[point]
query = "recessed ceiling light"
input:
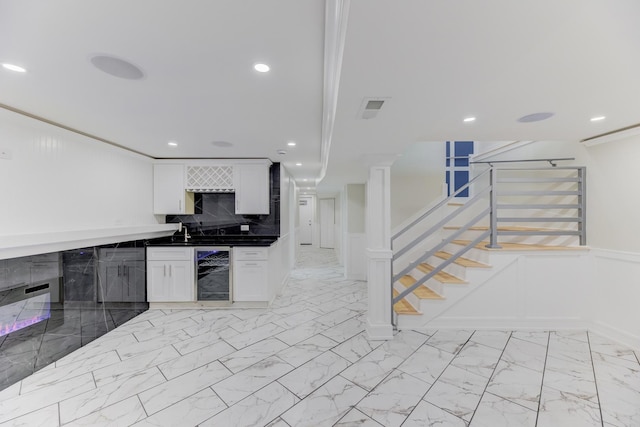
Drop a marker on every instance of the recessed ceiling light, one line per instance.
(13, 67)
(298, 164)
(117, 67)
(597, 118)
(535, 117)
(305, 180)
(469, 119)
(222, 144)
(172, 144)
(291, 144)
(261, 68)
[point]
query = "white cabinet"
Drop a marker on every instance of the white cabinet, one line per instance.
(169, 195)
(250, 274)
(174, 182)
(170, 274)
(252, 188)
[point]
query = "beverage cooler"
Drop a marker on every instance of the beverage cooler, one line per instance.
(213, 273)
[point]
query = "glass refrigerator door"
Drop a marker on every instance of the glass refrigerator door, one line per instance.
(213, 278)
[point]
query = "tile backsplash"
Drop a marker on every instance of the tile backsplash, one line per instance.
(215, 213)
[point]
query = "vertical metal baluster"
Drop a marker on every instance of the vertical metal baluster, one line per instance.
(493, 213)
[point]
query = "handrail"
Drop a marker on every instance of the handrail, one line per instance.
(438, 206)
(492, 211)
(440, 223)
(551, 161)
(440, 267)
(442, 244)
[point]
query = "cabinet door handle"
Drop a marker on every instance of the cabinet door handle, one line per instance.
(125, 270)
(170, 273)
(251, 253)
(179, 206)
(251, 263)
(118, 270)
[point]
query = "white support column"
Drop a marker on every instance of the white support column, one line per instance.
(378, 220)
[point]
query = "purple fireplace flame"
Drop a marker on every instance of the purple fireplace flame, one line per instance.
(24, 306)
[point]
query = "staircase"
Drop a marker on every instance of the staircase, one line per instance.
(452, 249)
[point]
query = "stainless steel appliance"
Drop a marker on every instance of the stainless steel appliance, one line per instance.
(213, 273)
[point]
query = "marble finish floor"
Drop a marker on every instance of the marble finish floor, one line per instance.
(307, 362)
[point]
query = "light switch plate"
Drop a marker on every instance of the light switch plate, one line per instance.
(5, 154)
(244, 227)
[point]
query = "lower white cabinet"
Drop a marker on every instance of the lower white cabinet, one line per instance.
(250, 274)
(170, 274)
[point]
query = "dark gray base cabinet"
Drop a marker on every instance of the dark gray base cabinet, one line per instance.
(121, 275)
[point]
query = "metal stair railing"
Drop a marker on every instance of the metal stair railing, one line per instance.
(496, 192)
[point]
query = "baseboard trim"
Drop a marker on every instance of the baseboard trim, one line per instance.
(508, 324)
(379, 332)
(615, 334)
(511, 324)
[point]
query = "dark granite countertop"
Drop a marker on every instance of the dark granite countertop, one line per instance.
(218, 240)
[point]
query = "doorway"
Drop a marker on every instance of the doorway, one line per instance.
(327, 222)
(305, 212)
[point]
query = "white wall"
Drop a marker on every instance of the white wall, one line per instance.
(534, 291)
(416, 179)
(337, 227)
(58, 180)
(355, 201)
(355, 242)
(288, 212)
(613, 176)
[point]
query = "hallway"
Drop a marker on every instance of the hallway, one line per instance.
(306, 361)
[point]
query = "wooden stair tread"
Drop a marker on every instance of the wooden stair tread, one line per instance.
(507, 246)
(403, 306)
(465, 262)
(422, 292)
(441, 276)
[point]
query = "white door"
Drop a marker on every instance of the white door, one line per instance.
(305, 209)
(327, 222)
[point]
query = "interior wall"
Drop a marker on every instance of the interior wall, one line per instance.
(354, 237)
(613, 203)
(337, 228)
(416, 179)
(57, 180)
(355, 201)
(285, 200)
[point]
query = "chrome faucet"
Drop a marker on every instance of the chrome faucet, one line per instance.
(186, 234)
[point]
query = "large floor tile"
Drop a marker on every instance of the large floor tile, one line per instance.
(326, 405)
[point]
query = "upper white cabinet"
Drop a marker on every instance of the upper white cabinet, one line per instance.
(175, 181)
(252, 188)
(169, 195)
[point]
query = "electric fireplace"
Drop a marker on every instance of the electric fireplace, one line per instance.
(25, 305)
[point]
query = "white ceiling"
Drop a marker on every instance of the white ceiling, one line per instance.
(436, 61)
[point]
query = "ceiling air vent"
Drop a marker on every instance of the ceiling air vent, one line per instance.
(370, 107)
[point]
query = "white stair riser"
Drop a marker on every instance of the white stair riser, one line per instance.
(432, 283)
(473, 253)
(453, 268)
